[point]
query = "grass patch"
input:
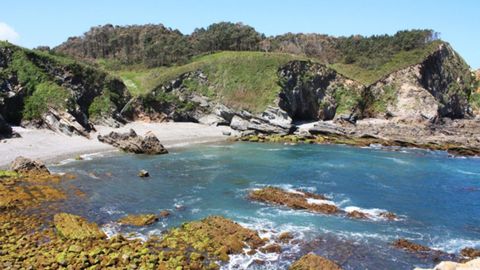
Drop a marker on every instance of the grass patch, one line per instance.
(246, 80)
(347, 99)
(46, 95)
(399, 61)
(389, 96)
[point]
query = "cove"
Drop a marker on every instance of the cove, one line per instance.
(436, 197)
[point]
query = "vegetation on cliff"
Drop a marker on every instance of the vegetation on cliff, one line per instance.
(32, 81)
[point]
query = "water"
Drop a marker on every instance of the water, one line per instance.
(436, 197)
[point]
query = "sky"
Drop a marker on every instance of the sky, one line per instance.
(31, 23)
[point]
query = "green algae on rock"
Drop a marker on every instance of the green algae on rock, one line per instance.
(75, 227)
(295, 200)
(138, 220)
(314, 262)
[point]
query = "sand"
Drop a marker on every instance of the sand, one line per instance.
(52, 147)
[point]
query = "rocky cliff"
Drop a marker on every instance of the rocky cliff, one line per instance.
(37, 88)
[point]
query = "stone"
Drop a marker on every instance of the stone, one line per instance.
(271, 248)
(410, 246)
(138, 220)
(357, 215)
(66, 123)
(164, 214)
(277, 116)
(212, 120)
(470, 252)
(285, 237)
(131, 142)
(143, 173)
(448, 265)
(324, 128)
(226, 133)
(76, 228)
(224, 112)
(314, 262)
(25, 165)
(239, 123)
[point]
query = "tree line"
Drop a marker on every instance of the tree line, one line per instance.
(157, 45)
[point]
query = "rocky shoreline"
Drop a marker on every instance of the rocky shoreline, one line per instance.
(34, 231)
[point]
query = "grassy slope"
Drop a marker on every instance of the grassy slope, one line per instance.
(245, 80)
(399, 61)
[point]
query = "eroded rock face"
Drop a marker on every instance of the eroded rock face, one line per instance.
(308, 90)
(295, 200)
(131, 142)
(314, 262)
(138, 220)
(5, 128)
(65, 123)
(76, 227)
(25, 165)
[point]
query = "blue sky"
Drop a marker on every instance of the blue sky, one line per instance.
(49, 22)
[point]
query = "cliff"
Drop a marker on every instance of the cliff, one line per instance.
(44, 90)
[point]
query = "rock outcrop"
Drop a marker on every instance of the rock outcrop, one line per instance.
(76, 227)
(314, 262)
(138, 220)
(294, 199)
(25, 165)
(448, 265)
(311, 91)
(131, 142)
(5, 128)
(64, 122)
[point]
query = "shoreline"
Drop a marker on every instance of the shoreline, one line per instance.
(52, 147)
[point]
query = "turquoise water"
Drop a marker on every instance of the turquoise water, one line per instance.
(436, 197)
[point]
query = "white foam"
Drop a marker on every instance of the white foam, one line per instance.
(398, 161)
(456, 244)
(372, 213)
(319, 202)
(467, 172)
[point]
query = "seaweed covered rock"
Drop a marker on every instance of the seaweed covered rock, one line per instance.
(76, 227)
(314, 262)
(216, 237)
(294, 199)
(138, 220)
(25, 165)
(131, 142)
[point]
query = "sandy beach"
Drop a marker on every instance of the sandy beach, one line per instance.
(52, 147)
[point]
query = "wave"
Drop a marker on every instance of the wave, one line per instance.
(375, 214)
(467, 172)
(456, 244)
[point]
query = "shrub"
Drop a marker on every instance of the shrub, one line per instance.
(46, 95)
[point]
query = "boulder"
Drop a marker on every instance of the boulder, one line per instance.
(5, 128)
(25, 165)
(314, 262)
(223, 112)
(143, 173)
(277, 116)
(470, 252)
(138, 220)
(131, 142)
(447, 265)
(76, 227)
(324, 128)
(410, 246)
(212, 120)
(65, 123)
(239, 123)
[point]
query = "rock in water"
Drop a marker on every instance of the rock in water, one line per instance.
(131, 142)
(76, 227)
(25, 165)
(143, 173)
(138, 220)
(294, 199)
(314, 262)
